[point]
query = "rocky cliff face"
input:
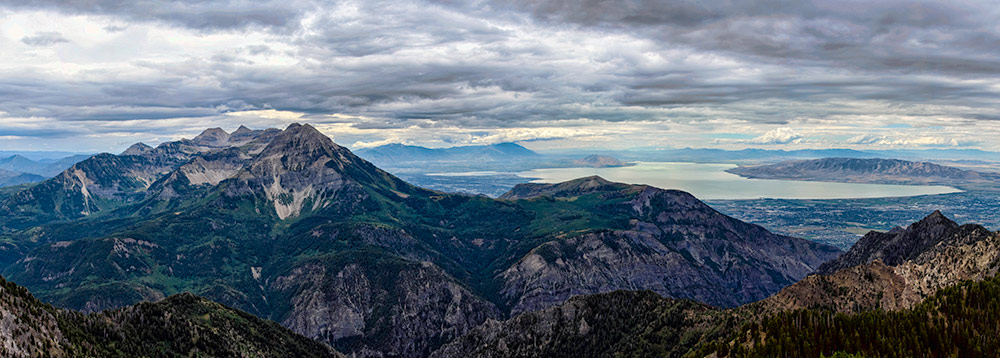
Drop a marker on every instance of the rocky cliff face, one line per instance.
(641, 323)
(896, 246)
(898, 269)
(410, 307)
(676, 246)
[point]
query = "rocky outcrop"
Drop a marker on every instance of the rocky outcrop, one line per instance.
(677, 246)
(905, 267)
(407, 306)
(621, 322)
(896, 246)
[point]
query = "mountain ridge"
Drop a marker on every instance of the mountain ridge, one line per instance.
(303, 232)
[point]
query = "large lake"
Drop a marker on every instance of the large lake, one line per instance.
(710, 181)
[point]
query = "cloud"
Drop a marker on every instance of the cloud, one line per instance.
(360, 144)
(42, 39)
(866, 139)
(507, 69)
(778, 136)
(910, 141)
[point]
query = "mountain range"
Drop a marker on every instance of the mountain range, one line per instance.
(397, 154)
(925, 290)
(865, 170)
(18, 169)
(225, 231)
(289, 226)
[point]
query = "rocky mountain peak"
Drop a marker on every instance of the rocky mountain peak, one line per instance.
(302, 141)
(300, 164)
(242, 130)
(896, 246)
(213, 137)
(137, 149)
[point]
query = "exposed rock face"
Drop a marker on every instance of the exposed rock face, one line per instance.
(677, 246)
(603, 325)
(918, 261)
(424, 306)
(865, 171)
(137, 149)
(896, 246)
(212, 137)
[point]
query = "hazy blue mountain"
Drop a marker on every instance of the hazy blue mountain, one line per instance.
(867, 170)
(43, 167)
(9, 178)
(393, 154)
(599, 161)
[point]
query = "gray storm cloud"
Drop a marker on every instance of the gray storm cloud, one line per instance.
(507, 64)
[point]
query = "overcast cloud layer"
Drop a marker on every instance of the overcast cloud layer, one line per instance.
(553, 74)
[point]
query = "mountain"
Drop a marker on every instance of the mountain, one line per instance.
(957, 321)
(44, 168)
(394, 154)
(599, 161)
(137, 149)
(898, 269)
(871, 170)
(290, 226)
(896, 246)
(179, 326)
(104, 182)
(942, 297)
(10, 178)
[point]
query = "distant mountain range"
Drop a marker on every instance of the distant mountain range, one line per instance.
(870, 170)
(289, 226)
(395, 154)
(18, 169)
(599, 161)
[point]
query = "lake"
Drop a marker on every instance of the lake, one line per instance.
(711, 182)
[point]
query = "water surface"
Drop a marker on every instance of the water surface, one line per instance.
(710, 182)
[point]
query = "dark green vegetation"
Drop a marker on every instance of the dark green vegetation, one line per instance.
(289, 226)
(958, 321)
(179, 326)
(616, 324)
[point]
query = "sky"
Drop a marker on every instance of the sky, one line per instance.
(99, 75)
